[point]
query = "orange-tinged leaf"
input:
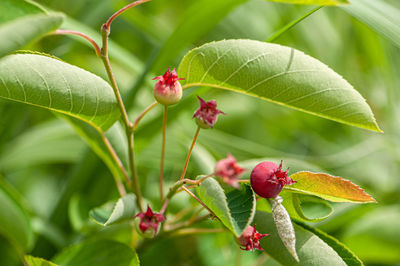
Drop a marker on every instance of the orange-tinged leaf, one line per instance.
(332, 188)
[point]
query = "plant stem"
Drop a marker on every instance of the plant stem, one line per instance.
(142, 114)
(115, 157)
(122, 10)
(191, 231)
(72, 32)
(164, 130)
(190, 153)
(199, 200)
(287, 27)
(128, 124)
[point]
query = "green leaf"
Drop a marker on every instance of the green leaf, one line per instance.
(12, 9)
(235, 209)
(14, 221)
(46, 143)
(115, 135)
(332, 188)
(381, 16)
(114, 212)
(313, 2)
(278, 74)
(311, 249)
(305, 208)
(375, 237)
(33, 261)
(98, 252)
(344, 252)
(18, 33)
(52, 84)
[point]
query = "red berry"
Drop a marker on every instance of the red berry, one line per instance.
(267, 179)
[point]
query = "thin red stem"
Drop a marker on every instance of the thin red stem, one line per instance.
(122, 10)
(199, 200)
(72, 32)
(142, 114)
(190, 153)
(164, 131)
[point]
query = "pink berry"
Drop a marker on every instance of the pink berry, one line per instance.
(150, 221)
(229, 171)
(168, 90)
(267, 179)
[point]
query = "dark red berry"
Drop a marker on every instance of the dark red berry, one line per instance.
(267, 179)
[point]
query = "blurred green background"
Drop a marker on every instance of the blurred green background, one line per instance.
(53, 172)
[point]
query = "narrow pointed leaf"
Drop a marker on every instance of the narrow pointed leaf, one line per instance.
(381, 16)
(235, 209)
(114, 212)
(20, 32)
(15, 224)
(332, 188)
(55, 85)
(313, 2)
(278, 74)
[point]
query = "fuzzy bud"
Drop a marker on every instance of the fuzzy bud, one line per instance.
(168, 90)
(267, 179)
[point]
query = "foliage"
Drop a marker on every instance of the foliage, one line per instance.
(71, 188)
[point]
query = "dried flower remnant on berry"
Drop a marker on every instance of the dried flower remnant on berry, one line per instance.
(229, 171)
(150, 221)
(250, 239)
(168, 90)
(267, 179)
(206, 116)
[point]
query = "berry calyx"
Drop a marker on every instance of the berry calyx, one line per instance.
(267, 179)
(206, 116)
(168, 90)
(250, 239)
(150, 222)
(229, 171)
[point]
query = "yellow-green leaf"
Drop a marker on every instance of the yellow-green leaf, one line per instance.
(332, 188)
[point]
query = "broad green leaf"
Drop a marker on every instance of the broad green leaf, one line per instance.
(15, 224)
(381, 16)
(12, 9)
(115, 135)
(311, 249)
(344, 252)
(235, 209)
(16, 34)
(313, 2)
(114, 212)
(375, 237)
(305, 208)
(278, 74)
(98, 252)
(55, 85)
(332, 188)
(46, 143)
(33, 261)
